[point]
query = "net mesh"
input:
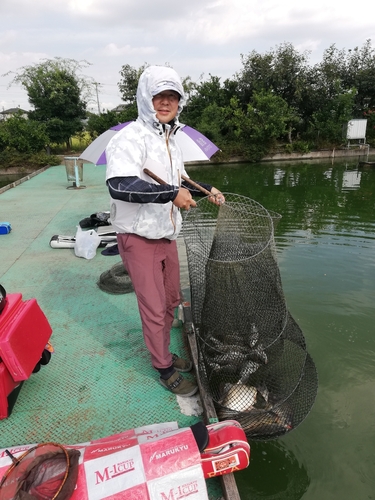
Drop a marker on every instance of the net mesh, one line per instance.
(252, 354)
(45, 471)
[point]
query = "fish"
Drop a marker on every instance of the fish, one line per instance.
(215, 367)
(230, 358)
(263, 395)
(248, 369)
(240, 402)
(239, 345)
(259, 354)
(273, 422)
(239, 397)
(221, 347)
(254, 337)
(215, 343)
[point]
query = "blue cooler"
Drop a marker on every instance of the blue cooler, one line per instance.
(5, 227)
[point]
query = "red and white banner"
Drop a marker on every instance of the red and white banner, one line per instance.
(154, 462)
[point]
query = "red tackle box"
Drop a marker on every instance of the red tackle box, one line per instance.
(24, 333)
(227, 449)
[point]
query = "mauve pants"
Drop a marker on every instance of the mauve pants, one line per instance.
(154, 270)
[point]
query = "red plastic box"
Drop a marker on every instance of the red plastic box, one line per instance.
(24, 333)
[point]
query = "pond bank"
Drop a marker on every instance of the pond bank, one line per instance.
(312, 155)
(20, 180)
(324, 153)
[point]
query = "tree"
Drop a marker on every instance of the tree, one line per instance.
(256, 75)
(189, 87)
(328, 121)
(330, 88)
(211, 122)
(264, 121)
(22, 135)
(360, 73)
(281, 71)
(210, 93)
(58, 96)
(129, 83)
(97, 124)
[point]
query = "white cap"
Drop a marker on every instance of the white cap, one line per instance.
(161, 86)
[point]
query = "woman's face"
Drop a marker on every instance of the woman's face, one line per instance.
(166, 105)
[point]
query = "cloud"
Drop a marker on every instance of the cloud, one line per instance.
(10, 61)
(113, 50)
(7, 38)
(195, 37)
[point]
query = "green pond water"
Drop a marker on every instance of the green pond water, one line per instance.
(6, 179)
(326, 252)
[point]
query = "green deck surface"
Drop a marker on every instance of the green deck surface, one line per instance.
(100, 380)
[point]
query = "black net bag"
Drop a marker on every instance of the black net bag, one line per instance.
(47, 471)
(252, 354)
(116, 280)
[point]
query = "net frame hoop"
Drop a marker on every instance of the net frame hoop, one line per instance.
(267, 214)
(16, 461)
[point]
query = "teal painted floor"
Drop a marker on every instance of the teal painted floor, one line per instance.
(100, 380)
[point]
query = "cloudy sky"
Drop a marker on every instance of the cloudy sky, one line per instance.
(196, 37)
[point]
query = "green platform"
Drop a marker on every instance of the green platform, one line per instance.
(99, 381)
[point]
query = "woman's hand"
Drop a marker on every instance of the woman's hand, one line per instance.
(184, 199)
(218, 198)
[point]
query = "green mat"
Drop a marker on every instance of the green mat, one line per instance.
(100, 380)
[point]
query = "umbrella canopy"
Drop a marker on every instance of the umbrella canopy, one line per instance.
(194, 145)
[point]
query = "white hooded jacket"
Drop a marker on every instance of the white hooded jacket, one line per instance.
(146, 143)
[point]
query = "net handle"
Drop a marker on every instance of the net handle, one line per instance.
(187, 179)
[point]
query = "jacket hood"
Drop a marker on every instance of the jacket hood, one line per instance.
(153, 80)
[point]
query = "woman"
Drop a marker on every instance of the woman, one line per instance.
(146, 215)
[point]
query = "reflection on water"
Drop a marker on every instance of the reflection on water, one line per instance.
(351, 180)
(326, 252)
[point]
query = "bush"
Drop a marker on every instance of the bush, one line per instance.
(10, 158)
(301, 147)
(21, 134)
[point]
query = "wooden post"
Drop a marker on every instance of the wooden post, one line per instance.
(228, 482)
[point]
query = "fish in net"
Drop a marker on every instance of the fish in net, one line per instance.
(252, 354)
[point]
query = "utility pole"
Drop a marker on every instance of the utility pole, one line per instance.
(97, 96)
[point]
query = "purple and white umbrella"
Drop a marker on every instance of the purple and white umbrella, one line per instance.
(194, 145)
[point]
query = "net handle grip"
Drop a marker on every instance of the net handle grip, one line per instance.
(187, 179)
(196, 185)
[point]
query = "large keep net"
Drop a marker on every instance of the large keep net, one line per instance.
(251, 353)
